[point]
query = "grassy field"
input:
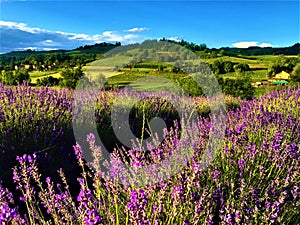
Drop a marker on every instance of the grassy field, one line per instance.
(116, 72)
(256, 75)
(34, 75)
(251, 62)
(257, 64)
(144, 81)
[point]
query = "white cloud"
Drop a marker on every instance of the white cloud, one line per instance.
(115, 36)
(108, 36)
(264, 45)
(49, 49)
(80, 37)
(20, 26)
(177, 39)
(28, 48)
(48, 43)
(247, 44)
(16, 36)
(137, 29)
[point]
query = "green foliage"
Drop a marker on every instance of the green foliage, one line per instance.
(48, 81)
(190, 86)
(295, 75)
(292, 50)
(222, 52)
(71, 77)
(241, 67)
(22, 75)
(13, 77)
(7, 77)
(282, 63)
(221, 67)
(228, 67)
(240, 87)
(189, 45)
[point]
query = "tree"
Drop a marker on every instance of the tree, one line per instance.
(22, 75)
(217, 67)
(71, 77)
(241, 67)
(220, 67)
(240, 87)
(295, 75)
(202, 47)
(228, 67)
(8, 77)
(48, 81)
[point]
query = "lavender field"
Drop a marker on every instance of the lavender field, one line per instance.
(253, 179)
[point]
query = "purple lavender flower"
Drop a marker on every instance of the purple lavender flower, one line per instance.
(216, 175)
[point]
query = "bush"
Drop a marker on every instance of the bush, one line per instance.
(49, 81)
(240, 87)
(295, 76)
(221, 67)
(241, 67)
(71, 77)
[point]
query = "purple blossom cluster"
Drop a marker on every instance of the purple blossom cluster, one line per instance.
(254, 179)
(33, 120)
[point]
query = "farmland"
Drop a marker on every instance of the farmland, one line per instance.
(258, 70)
(53, 68)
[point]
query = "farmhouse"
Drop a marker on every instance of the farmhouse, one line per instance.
(282, 76)
(26, 66)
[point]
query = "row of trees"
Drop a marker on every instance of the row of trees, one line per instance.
(221, 67)
(189, 45)
(292, 50)
(240, 87)
(232, 51)
(41, 61)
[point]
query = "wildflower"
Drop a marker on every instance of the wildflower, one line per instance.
(216, 175)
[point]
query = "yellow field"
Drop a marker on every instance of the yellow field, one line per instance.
(42, 74)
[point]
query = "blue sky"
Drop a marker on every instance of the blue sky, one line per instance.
(66, 24)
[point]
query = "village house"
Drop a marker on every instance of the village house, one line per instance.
(282, 76)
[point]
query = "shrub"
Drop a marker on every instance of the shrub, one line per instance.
(49, 81)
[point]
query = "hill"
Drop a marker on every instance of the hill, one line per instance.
(18, 57)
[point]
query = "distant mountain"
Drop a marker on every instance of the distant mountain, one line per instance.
(95, 49)
(292, 50)
(101, 48)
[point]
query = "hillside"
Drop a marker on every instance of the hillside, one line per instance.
(81, 52)
(101, 48)
(232, 65)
